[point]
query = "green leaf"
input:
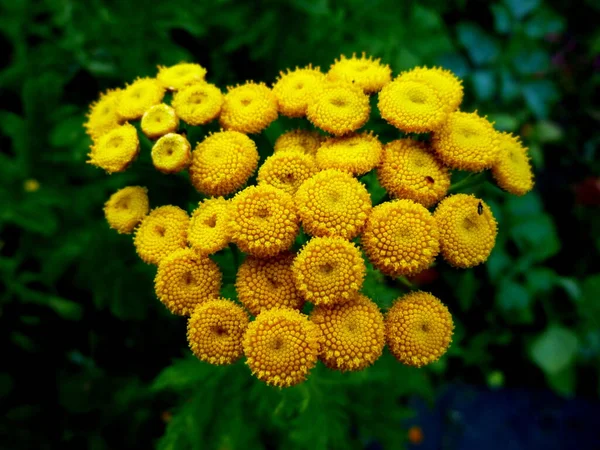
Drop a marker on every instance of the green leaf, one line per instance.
(482, 48)
(540, 95)
(540, 280)
(589, 306)
(484, 84)
(564, 381)
(536, 237)
(554, 350)
(544, 22)
(183, 374)
(512, 296)
(520, 8)
(531, 62)
(502, 19)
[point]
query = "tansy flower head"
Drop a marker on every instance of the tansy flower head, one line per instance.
(159, 120)
(180, 75)
(171, 153)
(281, 346)
(263, 284)
(409, 170)
(411, 106)
(208, 231)
(263, 220)
(299, 140)
(186, 278)
(161, 232)
(294, 89)
(401, 238)
(466, 142)
(329, 270)
(198, 104)
(287, 170)
(126, 208)
(31, 185)
(249, 108)
(512, 170)
(367, 73)
(353, 333)
(333, 203)
(116, 149)
(215, 331)
(418, 329)
(103, 116)
(467, 230)
(138, 97)
(339, 108)
(445, 83)
(354, 153)
(223, 162)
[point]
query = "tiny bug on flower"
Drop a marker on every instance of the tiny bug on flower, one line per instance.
(480, 208)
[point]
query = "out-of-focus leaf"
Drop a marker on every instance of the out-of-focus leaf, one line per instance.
(548, 131)
(520, 8)
(564, 381)
(504, 122)
(537, 237)
(183, 374)
(589, 305)
(509, 88)
(482, 48)
(502, 20)
(540, 95)
(554, 350)
(484, 84)
(540, 280)
(525, 206)
(531, 62)
(543, 23)
(512, 296)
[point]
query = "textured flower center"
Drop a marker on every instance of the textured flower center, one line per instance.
(188, 278)
(338, 101)
(197, 98)
(416, 96)
(211, 221)
(219, 331)
(262, 213)
(123, 203)
(246, 101)
(327, 268)
(469, 223)
(429, 180)
(160, 230)
(115, 141)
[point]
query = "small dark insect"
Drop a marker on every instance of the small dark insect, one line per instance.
(480, 208)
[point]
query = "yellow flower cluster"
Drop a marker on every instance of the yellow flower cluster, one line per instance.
(304, 219)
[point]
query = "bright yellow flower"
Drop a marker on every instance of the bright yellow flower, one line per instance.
(411, 106)
(299, 140)
(447, 85)
(339, 108)
(180, 75)
(409, 170)
(263, 221)
(208, 231)
(467, 230)
(159, 120)
(249, 108)
(367, 73)
(418, 329)
(512, 171)
(287, 170)
(138, 97)
(329, 270)
(294, 89)
(116, 149)
(198, 104)
(103, 116)
(126, 208)
(160, 233)
(466, 142)
(354, 153)
(281, 346)
(353, 333)
(223, 162)
(171, 153)
(333, 203)
(31, 185)
(263, 284)
(215, 331)
(401, 238)
(185, 279)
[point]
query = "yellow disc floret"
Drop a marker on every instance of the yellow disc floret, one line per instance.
(466, 142)
(354, 153)
(215, 331)
(159, 120)
(329, 270)
(281, 346)
(287, 170)
(116, 149)
(223, 162)
(333, 203)
(198, 104)
(447, 85)
(467, 230)
(294, 89)
(249, 108)
(339, 108)
(409, 170)
(418, 329)
(263, 221)
(103, 116)
(160, 233)
(353, 333)
(411, 106)
(185, 279)
(126, 208)
(208, 231)
(367, 73)
(512, 171)
(401, 238)
(171, 153)
(180, 75)
(263, 284)
(299, 140)
(138, 97)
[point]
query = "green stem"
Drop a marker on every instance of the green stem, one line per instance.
(469, 181)
(404, 282)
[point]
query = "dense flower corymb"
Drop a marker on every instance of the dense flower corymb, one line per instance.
(287, 170)
(160, 233)
(138, 97)
(159, 120)
(180, 75)
(208, 231)
(249, 108)
(126, 208)
(294, 89)
(367, 73)
(354, 153)
(444, 82)
(116, 149)
(299, 140)
(198, 104)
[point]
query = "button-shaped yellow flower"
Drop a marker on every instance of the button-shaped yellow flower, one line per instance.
(115, 150)
(295, 88)
(159, 120)
(180, 75)
(304, 141)
(126, 208)
(354, 153)
(512, 171)
(287, 170)
(138, 97)
(171, 153)
(102, 116)
(248, 108)
(448, 86)
(367, 73)
(198, 104)
(208, 231)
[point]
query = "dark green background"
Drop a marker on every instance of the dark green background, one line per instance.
(90, 358)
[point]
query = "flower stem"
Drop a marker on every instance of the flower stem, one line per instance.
(404, 282)
(470, 180)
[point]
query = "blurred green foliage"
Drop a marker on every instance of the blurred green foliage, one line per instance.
(92, 359)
